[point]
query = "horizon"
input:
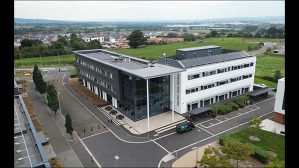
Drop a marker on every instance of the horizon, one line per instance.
(103, 11)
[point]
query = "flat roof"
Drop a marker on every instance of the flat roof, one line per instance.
(198, 48)
(199, 110)
(199, 61)
(136, 66)
(260, 91)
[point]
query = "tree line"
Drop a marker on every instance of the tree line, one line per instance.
(36, 48)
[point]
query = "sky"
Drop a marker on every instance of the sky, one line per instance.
(145, 10)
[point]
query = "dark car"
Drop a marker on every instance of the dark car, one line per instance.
(184, 127)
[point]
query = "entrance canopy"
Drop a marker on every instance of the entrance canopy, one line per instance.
(199, 110)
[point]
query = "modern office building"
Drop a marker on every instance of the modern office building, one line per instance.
(279, 107)
(191, 79)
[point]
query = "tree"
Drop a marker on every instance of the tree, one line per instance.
(53, 102)
(255, 124)
(34, 73)
(237, 150)
(212, 158)
(68, 124)
(214, 33)
(136, 39)
(95, 44)
(275, 163)
(172, 35)
(277, 75)
(40, 84)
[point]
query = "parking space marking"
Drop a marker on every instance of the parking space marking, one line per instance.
(240, 114)
(95, 134)
(217, 119)
(205, 130)
(160, 146)
(218, 133)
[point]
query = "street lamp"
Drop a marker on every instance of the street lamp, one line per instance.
(197, 148)
(116, 158)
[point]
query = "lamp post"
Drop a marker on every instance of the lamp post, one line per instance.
(116, 158)
(197, 148)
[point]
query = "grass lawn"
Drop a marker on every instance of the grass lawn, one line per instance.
(267, 65)
(266, 82)
(268, 141)
(46, 61)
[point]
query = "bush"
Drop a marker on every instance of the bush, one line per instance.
(234, 105)
(226, 138)
(259, 153)
(241, 101)
(228, 108)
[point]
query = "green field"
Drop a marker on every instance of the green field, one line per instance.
(267, 65)
(170, 49)
(269, 141)
(46, 61)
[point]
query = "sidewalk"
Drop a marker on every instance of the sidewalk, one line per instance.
(188, 160)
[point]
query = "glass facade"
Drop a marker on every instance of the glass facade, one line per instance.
(134, 96)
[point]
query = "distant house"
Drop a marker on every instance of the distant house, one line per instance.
(45, 41)
(54, 39)
(111, 39)
(89, 39)
(17, 43)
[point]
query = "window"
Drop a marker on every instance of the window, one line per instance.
(222, 83)
(194, 106)
(246, 65)
(188, 91)
(251, 64)
(190, 77)
(221, 70)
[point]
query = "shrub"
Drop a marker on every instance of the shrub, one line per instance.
(226, 138)
(234, 105)
(228, 108)
(113, 112)
(241, 101)
(259, 153)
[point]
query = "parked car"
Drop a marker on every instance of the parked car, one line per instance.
(184, 127)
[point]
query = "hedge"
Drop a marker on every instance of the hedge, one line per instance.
(241, 101)
(259, 153)
(226, 138)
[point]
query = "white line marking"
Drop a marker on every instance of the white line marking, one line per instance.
(63, 134)
(205, 130)
(95, 134)
(220, 133)
(161, 146)
(164, 136)
(240, 114)
(217, 119)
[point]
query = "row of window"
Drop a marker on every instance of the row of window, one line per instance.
(217, 98)
(219, 83)
(102, 83)
(95, 68)
(221, 70)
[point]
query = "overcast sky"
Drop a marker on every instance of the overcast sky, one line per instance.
(145, 10)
